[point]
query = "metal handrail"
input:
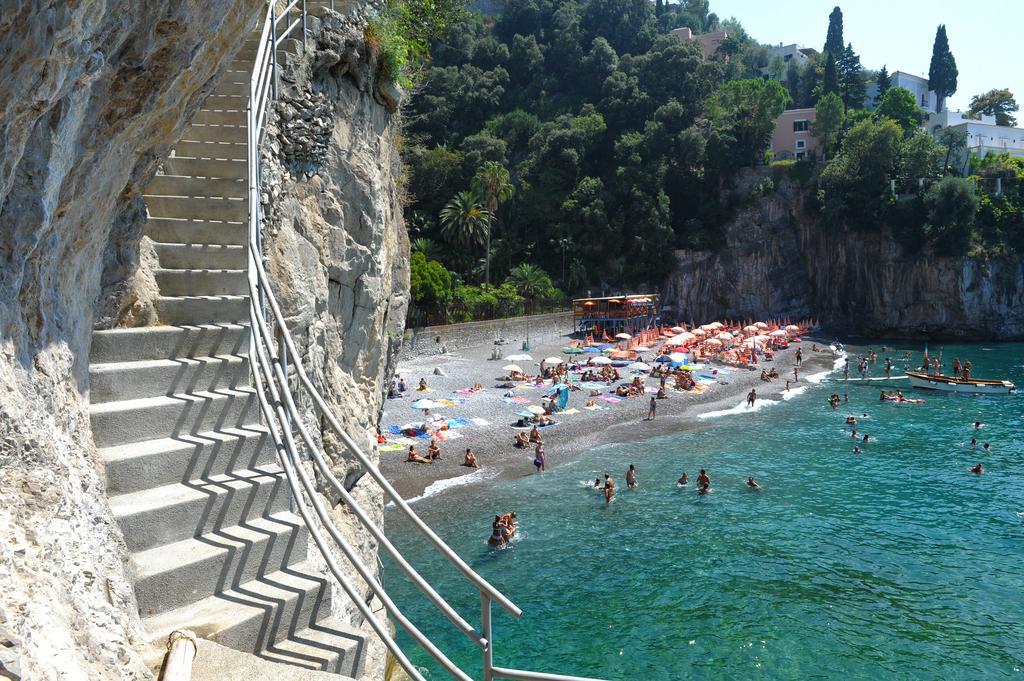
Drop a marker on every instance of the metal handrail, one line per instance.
(271, 358)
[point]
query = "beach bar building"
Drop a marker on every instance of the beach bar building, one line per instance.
(606, 317)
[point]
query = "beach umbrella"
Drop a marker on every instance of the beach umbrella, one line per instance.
(779, 334)
(515, 368)
(535, 410)
(575, 351)
(519, 358)
(724, 337)
(662, 359)
(600, 360)
(623, 336)
(713, 343)
(425, 404)
(677, 329)
(750, 329)
(552, 360)
(699, 332)
(639, 366)
(753, 341)
(677, 357)
(793, 327)
(716, 325)
(595, 351)
(761, 325)
(524, 413)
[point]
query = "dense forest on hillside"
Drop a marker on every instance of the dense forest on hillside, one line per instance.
(565, 146)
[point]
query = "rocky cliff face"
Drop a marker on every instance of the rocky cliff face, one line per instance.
(777, 262)
(336, 243)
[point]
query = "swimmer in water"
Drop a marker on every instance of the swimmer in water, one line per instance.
(609, 489)
(987, 447)
(856, 449)
(974, 442)
(631, 477)
(978, 425)
(865, 438)
(853, 433)
(597, 483)
(703, 480)
(977, 469)
(751, 483)
(684, 480)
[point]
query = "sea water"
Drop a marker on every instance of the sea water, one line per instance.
(894, 563)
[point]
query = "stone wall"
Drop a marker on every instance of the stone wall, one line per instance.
(92, 94)
(778, 261)
(542, 328)
(337, 247)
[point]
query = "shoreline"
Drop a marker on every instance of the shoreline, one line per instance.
(574, 434)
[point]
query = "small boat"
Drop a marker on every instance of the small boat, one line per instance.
(950, 384)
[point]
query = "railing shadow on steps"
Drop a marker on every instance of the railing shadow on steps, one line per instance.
(272, 355)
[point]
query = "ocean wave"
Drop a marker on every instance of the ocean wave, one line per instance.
(740, 408)
(794, 392)
(439, 486)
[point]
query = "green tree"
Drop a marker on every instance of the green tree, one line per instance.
(492, 184)
(834, 38)
(464, 222)
(999, 103)
(942, 72)
(530, 281)
(898, 104)
(952, 204)
(430, 284)
(829, 118)
(851, 79)
(884, 82)
(744, 111)
(855, 183)
(427, 246)
(954, 141)
(830, 79)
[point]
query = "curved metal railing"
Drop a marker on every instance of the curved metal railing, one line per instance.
(271, 354)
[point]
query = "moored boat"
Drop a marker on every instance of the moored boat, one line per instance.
(950, 384)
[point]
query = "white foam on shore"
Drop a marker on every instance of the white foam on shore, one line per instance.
(439, 486)
(793, 392)
(740, 408)
(822, 375)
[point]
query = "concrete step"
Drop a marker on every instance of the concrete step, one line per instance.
(202, 309)
(178, 185)
(260, 615)
(192, 208)
(215, 662)
(204, 256)
(173, 231)
(215, 133)
(168, 342)
(215, 101)
(215, 117)
(230, 86)
(164, 515)
(231, 151)
(194, 568)
(183, 282)
(145, 418)
(113, 381)
(154, 463)
(193, 167)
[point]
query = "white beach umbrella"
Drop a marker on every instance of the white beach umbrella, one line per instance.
(623, 336)
(677, 329)
(534, 409)
(761, 325)
(699, 332)
(519, 358)
(553, 360)
(779, 334)
(724, 337)
(600, 360)
(677, 357)
(515, 368)
(792, 327)
(750, 329)
(716, 325)
(713, 343)
(425, 404)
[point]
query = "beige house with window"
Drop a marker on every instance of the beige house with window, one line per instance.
(709, 42)
(792, 139)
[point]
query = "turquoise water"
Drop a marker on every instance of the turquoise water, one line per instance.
(897, 563)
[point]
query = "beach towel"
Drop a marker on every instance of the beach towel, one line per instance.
(515, 400)
(450, 403)
(465, 391)
(574, 410)
(424, 390)
(459, 422)
(596, 407)
(392, 430)
(524, 387)
(610, 399)
(390, 447)
(449, 435)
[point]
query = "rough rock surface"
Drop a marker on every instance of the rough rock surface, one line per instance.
(92, 93)
(777, 262)
(337, 246)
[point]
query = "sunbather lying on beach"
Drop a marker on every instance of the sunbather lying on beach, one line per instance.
(416, 458)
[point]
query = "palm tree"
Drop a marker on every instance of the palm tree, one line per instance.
(427, 246)
(492, 184)
(530, 281)
(464, 222)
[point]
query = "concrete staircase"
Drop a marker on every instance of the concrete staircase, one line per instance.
(192, 477)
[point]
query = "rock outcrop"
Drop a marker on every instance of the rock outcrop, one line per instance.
(335, 240)
(777, 261)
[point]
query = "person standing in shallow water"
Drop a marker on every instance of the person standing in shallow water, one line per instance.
(751, 397)
(652, 410)
(799, 357)
(631, 477)
(609, 489)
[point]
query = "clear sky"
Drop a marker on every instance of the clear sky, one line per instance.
(985, 37)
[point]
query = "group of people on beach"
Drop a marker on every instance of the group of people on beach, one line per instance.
(434, 454)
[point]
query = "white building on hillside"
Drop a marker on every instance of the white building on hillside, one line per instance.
(983, 135)
(918, 86)
(786, 54)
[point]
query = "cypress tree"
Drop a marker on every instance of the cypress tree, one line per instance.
(659, 8)
(942, 72)
(834, 37)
